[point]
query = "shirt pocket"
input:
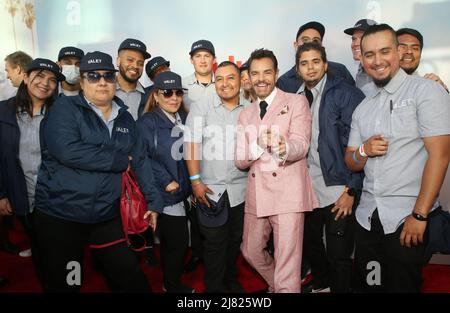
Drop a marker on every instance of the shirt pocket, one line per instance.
(404, 121)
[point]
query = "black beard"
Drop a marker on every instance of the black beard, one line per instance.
(382, 82)
(410, 71)
(124, 76)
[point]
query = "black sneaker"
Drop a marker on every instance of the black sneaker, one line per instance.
(180, 289)
(192, 264)
(3, 282)
(234, 287)
(9, 247)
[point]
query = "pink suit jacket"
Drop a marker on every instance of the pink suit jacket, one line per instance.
(276, 186)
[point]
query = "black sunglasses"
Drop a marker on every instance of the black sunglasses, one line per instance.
(94, 77)
(167, 93)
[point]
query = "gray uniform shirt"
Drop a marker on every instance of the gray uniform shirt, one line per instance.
(131, 99)
(325, 194)
(196, 91)
(212, 125)
(30, 150)
(405, 111)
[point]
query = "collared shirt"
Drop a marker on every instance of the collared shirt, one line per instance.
(325, 194)
(114, 113)
(30, 150)
(196, 91)
(132, 99)
(212, 125)
(255, 150)
(405, 111)
(364, 82)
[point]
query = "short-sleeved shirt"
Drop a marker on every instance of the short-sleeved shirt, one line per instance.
(196, 91)
(131, 99)
(212, 125)
(406, 110)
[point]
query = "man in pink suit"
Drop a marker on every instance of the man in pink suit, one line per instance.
(273, 141)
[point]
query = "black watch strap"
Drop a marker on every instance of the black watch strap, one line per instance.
(419, 217)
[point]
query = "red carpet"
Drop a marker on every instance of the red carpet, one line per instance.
(21, 275)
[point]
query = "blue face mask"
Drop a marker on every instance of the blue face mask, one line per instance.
(72, 73)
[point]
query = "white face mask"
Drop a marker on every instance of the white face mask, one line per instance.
(72, 73)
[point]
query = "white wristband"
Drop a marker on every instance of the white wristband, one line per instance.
(362, 152)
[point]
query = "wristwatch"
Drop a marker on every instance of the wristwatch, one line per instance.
(419, 217)
(350, 191)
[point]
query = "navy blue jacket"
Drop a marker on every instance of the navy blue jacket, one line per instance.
(81, 171)
(339, 100)
(12, 179)
(291, 82)
(156, 129)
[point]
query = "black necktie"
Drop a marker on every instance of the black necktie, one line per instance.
(263, 107)
(309, 96)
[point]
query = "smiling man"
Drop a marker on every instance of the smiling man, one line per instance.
(332, 103)
(400, 137)
(132, 55)
(210, 149)
(357, 31)
(411, 45)
(272, 143)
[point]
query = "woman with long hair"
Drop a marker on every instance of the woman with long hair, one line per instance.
(162, 127)
(20, 154)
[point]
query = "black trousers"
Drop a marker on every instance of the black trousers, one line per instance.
(60, 242)
(400, 267)
(331, 265)
(174, 239)
(195, 234)
(221, 249)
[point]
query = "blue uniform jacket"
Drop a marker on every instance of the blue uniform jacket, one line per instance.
(81, 171)
(12, 179)
(291, 82)
(161, 136)
(339, 100)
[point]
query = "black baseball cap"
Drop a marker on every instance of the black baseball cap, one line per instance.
(134, 44)
(97, 60)
(363, 25)
(244, 67)
(168, 81)
(70, 52)
(45, 64)
(203, 45)
(314, 25)
(412, 32)
(214, 216)
(154, 64)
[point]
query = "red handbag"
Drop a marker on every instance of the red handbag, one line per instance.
(133, 207)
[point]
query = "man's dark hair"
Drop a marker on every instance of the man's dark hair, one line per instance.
(412, 32)
(229, 63)
(377, 29)
(308, 47)
(261, 54)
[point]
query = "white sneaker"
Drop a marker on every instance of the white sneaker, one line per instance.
(25, 253)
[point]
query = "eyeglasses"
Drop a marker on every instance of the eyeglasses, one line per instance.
(94, 77)
(169, 93)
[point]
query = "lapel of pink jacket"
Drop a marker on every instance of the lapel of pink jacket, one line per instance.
(274, 108)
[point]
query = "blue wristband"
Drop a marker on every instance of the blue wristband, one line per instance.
(354, 157)
(194, 177)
